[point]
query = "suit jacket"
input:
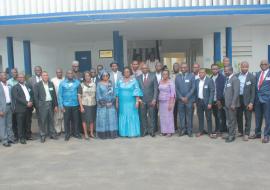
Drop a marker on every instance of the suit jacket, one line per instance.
(263, 95)
(19, 99)
(150, 88)
(40, 94)
(32, 81)
(249, 88)
(219, 85)
(119, 75)
(208, 90)
(185, 86)
(3, 98)
(231, 92)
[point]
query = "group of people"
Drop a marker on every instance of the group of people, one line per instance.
(137, 102)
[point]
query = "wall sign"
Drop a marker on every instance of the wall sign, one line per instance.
(105, 53)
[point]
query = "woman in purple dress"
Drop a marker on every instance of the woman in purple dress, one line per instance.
(166, 104)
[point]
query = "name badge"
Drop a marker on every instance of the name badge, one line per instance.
(248, 83)
(267, 78)
(50, 89)
(229, 85)
(206, 86)
(70, 84)
(186, 80)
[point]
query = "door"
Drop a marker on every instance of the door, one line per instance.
(84, 58)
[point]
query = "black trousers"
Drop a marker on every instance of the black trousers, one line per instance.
(23, 124)
(147, 113)
(71, 115)
(14, 125)
(242, 110)
(220, 118)
(175, 115)
(203, 111)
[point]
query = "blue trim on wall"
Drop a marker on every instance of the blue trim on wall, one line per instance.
(27, 57)
(217, 47)
(10, 53)
(126, 14)
(118, 49)
(229, 43)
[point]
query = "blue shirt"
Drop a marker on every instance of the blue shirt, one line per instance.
(68, 93)
(242, 77)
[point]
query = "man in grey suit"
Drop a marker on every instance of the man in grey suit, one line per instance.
(6, 133)
(31, 83)
(148, 84)
(246, 98)
(231, 96)
(185, 88)
(205, 90)
(115, 75)
(46, 104)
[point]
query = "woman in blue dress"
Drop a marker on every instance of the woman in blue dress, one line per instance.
(106, 121)
(128, 93)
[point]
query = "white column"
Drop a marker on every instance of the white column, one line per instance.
(153, 3)
(146, 4)
(139, 4)
(201, 2)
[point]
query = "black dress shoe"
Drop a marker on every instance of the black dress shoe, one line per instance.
(54, 137)
(254, 136)
(22, 141)
(230, 139)
(190, 134)
(67, 138)
(182, 133)
(13, 142)
(152, 135)
(6, 145)
(29, 138)
(265, 140)
(42, 139)
(78, 136)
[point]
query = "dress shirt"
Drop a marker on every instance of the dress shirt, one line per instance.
(47, 91)
(201, 84)
(115, 77)
(158, 75)
(26, 92)
(12, 82)
(264, 75)
(68, 93)
(6, 91)
(214, 77)
(242, 77)
(56, 82)
(38, 78)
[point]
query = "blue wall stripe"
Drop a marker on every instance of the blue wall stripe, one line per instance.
(229, 43)
(217, 47)
(134, 14)
(27, 57)
(10, 53)
(118, 49)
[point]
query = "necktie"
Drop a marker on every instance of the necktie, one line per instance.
(261, 80)
(144, 79)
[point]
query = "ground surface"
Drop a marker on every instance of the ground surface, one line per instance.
(142, 163)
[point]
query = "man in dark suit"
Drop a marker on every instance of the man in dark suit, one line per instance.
(231, 96)
(46, 103)
(262, 102)
(218, 101)
(22, 98)
(205, 90)
(148, 84)
(185, 88)
(31, 83)
(246, 98)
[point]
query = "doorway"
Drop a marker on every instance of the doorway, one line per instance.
(84, 58)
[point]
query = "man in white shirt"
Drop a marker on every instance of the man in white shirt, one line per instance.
(6, 133)
(58, 116)
(23, 102)
(159, 67)
(205, 90)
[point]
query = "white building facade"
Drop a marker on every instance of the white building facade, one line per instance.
(52, 33)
